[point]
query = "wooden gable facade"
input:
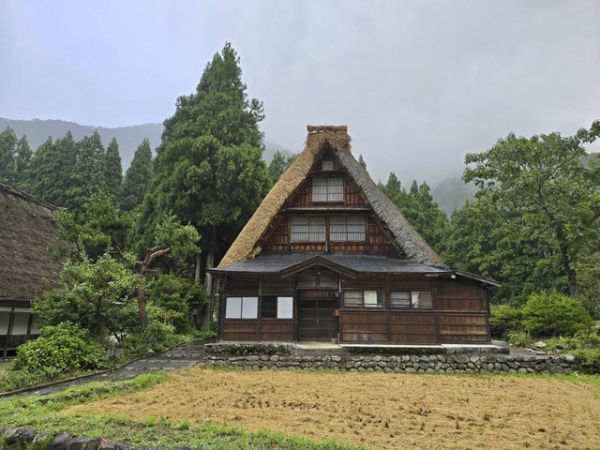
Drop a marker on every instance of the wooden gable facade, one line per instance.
(328, 257)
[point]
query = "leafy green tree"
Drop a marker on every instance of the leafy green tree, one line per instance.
(8, 142)
(545, 184)
(113, 170)
(138, 176)
(588, 283)
(92, 293)
(496, 244)
(208, 170)
(23, 156)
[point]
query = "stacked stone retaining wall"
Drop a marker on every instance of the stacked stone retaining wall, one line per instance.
(464, 363)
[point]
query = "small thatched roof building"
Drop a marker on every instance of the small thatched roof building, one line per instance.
(28, 226)
(328, 256)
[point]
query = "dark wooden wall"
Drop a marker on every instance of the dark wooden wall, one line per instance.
(459, 313)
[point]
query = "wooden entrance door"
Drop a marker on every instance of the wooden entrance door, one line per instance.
(316, 315)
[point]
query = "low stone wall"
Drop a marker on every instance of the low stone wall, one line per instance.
(251, 348)
(480, 363)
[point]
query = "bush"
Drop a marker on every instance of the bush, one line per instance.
(518, 338)
(64, 347)
(159, 335)
(504, 318)
(554, 314)
(589, 359)
(179, 298)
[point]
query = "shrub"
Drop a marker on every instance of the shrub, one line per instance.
(589, 359)
(179, 298)
(60, 349)
(554, 314)
(504, 318)
(159, 335)
(518, 338)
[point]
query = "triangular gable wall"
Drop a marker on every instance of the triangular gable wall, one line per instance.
(406, 237)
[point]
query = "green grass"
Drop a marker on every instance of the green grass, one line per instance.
(44, 413)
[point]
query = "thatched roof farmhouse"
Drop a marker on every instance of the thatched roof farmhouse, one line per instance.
(28, 225)
(328, 256)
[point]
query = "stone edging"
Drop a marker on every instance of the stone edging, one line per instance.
(463, 363)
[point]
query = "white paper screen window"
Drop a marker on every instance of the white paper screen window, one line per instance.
(327, 165)
(370, 299)
(249, 307)
(307, 229)
(347, 228)
(285, 307)
(352, 298)
(328, 189)
(233, 310)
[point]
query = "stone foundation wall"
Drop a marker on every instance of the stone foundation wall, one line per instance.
(480, 363)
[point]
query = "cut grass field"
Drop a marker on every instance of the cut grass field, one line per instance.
(373, 409)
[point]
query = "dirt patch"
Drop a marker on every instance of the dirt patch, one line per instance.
(377, 409)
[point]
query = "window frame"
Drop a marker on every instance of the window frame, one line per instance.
(346, 217)
(411, 304)
(308, 232)
(278, 308)
(241, 297)
(377, 306)
(327, 189)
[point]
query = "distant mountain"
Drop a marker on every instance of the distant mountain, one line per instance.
(451, 193)
(129, 138)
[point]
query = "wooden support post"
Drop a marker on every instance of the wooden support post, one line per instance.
(259, 310)
(11, 322)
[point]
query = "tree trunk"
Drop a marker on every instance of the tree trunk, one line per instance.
(142, 300)
(563, 245)
(206, 308)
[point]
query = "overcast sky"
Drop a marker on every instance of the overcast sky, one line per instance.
(419, 84)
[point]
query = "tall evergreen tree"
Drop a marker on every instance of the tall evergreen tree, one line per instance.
(421, 211)
(23, 156)
(51, 171)
(209, 170)
(138, 176)
(8, 142)
(113, 171)
(89, 174)
(279, 164)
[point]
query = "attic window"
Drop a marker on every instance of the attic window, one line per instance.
(327, 165)
(330, 189)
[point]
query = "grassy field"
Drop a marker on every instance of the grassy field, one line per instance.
(373, 409)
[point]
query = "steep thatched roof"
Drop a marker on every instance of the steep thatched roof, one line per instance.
(337, 138)
(27, 227)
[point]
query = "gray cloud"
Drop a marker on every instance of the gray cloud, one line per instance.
(418, 83)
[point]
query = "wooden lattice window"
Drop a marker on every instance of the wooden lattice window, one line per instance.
(329, 189)
(347, 228)
(307, 229)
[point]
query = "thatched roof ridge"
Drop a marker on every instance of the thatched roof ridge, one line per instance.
(28, 227)
(245, 245)
(26, 196)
